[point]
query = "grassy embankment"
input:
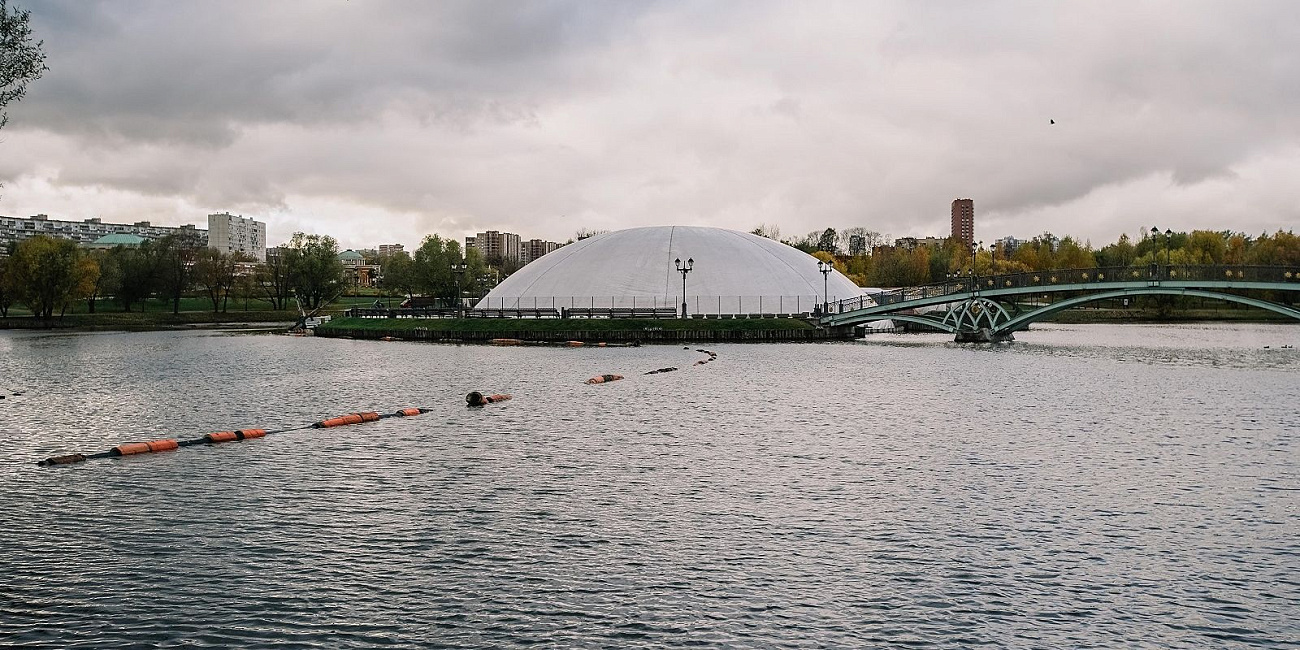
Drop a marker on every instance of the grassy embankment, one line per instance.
(578, 329)
(562, 324)
(157, 314)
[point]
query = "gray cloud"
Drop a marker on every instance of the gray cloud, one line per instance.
(544, 117)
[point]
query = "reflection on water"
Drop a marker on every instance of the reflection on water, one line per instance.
(1087, 486)
(1200, 344)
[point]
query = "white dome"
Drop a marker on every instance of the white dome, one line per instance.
(734, 272)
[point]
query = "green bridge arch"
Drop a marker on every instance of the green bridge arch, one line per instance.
(977, 298)
(1043, 312)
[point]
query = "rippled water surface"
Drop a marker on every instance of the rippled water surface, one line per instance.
(1087, 486)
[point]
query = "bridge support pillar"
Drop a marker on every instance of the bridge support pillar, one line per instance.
(983, 335)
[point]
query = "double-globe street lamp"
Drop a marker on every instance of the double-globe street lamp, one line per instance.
(826, 267)
(458, 268)
(1169, 233)
(684, 269)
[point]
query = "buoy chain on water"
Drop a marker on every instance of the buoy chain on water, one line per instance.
(655, 372)
(171, 444)
(604, 379)
(712, 356)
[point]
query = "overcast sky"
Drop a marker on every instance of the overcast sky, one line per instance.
(382, 122)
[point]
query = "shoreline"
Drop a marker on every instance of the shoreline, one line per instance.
(149, 322)
(593, 330)
(625, 330)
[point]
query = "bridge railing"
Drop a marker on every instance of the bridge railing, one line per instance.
(1058, 277)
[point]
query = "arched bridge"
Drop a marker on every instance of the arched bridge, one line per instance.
(986, 308)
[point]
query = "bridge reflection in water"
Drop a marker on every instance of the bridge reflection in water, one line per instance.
(985, 308)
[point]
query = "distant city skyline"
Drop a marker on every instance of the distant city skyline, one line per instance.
(387, 122)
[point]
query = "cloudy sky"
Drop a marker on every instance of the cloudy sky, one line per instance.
(382, 122)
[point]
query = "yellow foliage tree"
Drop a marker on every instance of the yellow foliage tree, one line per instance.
(47, 274)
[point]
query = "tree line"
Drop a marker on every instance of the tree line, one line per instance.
(862, 256)
(48, 275)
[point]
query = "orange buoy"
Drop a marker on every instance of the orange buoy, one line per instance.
(506, 342)
(576, 344)
(221, 436)
(350, 418)
(604, 379)
(245, 434)
(163, 445)
(132, 448)
(409, 412)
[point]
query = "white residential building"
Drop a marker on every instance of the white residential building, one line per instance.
(236, 234)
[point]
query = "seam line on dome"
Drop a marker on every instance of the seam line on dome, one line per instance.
(668, 273)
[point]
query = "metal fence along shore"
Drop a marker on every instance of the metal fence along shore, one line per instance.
(1225, 276)
(804, 306)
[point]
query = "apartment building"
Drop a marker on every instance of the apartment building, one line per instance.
(86, 231)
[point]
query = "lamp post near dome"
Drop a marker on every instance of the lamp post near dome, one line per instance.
(458, 268)
(684, 269)
(826, 268)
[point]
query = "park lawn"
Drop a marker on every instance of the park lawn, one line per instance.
(561, 324)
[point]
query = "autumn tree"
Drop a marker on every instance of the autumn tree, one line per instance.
(138, 271)
(1120, 253)
(399, 273)
(315, 273)
(271, 279)
(1279, 249)
(433, 273)
(175, 257)
(1206, 247)
(214, 273)
(46, 274)
(109, 279)
(5, 294)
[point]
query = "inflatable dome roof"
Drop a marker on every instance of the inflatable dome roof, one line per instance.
(733, 272)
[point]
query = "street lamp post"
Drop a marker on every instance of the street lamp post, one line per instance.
(458, 268)
(1155, 255)
(826, 268)
(1168, 234)
(684, 269)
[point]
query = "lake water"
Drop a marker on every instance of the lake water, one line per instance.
(1087, 486)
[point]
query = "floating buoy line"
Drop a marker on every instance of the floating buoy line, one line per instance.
(171, 444)
(360, 417)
